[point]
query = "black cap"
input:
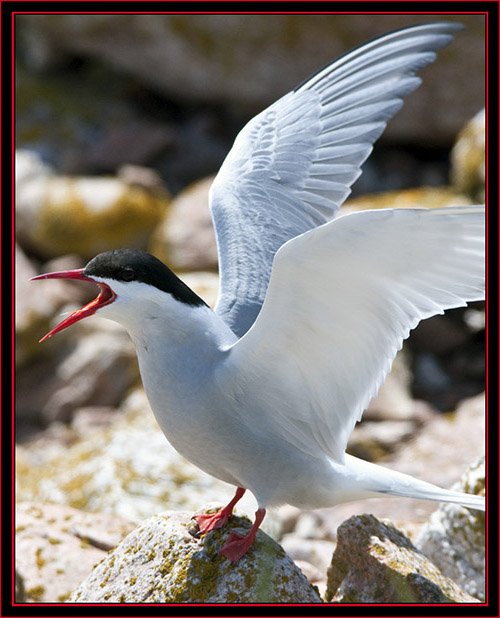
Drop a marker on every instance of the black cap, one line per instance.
(134, 265)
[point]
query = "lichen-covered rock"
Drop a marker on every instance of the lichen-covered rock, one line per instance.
(454, 537)
(57, 547)
(468, 158)
(185, 239)
(376, 563)
(162, 562)
(56, 215)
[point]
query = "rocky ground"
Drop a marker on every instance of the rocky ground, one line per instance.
(97, 483)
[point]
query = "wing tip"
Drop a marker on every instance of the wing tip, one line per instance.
(441, 28)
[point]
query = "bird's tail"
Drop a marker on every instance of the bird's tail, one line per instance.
(427, 491)
(386, 481)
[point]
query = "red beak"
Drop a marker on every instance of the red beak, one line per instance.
(106, 296)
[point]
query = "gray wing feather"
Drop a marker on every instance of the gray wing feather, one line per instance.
(291, 167)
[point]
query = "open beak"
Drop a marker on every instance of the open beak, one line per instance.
(106, 296)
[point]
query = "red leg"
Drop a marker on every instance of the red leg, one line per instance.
(211, 521)
(236, 545)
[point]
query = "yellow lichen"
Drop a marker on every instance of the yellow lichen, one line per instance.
(39, 560)
(35, 593)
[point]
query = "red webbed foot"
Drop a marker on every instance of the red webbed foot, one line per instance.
(211, 521)
(237, 545)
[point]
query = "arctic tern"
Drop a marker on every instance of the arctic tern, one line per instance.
(265, 391)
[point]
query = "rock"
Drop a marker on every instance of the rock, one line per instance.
(454, 537)
(32, 310)
(30, 166)
(376, 563)
(468, 159)
(161, 562)
(438, 336)
(186, 57)
(100, 369)
(56, 215)
(372, 441)
(313, 575)
(185, 239)
(87, 119)
(314, 552)
(76, 371)
(141, 176)
(78, 114)
(57, 547)
(90, 419)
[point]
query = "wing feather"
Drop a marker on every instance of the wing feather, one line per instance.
(291, 167)
(341, 300)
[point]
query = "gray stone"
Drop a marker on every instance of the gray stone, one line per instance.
(100, 369)
(374, 562)
(57, 547)
(161, 562)
(76, 371)
(316, 552)
(454, 537)
(33, 309)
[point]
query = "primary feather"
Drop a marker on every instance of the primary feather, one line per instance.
(291, 167)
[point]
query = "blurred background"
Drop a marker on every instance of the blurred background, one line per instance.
(95, 92)
(121, 123)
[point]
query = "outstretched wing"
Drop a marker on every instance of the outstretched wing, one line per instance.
(291, 167)
(341, 299)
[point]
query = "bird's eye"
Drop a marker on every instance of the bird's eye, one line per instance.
(127, 274)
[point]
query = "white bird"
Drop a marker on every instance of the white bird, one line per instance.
(264, 392)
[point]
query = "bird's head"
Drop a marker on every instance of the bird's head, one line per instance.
(130, 281)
